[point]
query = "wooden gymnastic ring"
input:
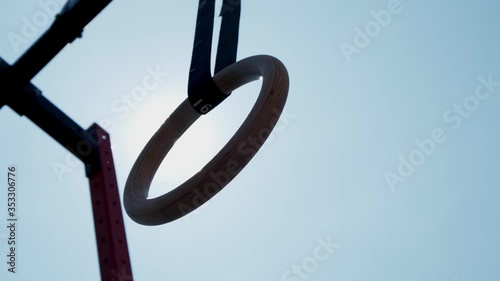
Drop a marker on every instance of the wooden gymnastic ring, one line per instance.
(231, 159)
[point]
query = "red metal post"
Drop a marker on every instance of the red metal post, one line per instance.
(114, 260)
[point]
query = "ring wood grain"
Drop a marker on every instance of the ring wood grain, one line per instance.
(228, 162)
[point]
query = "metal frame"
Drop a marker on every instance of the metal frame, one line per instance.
(91, 146)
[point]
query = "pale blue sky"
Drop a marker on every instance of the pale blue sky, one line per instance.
(322, 175)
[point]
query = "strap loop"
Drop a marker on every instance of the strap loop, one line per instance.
(203, 94)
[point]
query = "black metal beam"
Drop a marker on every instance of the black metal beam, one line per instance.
(28, 101)
(24, 98)
(91, 146)
(4, 68)
(69, 25)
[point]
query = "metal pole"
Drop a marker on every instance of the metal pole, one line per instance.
(114, 260)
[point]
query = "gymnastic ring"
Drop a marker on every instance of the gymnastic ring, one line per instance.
(230, 160)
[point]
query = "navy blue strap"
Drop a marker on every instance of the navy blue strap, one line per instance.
(203, 94)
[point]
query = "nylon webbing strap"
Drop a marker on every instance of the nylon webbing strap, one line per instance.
(202, 92)
(229, 32)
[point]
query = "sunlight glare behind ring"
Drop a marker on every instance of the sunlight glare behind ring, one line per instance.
(189, 154)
